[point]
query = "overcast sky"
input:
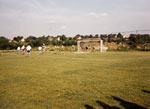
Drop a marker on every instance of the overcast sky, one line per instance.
(71, 17)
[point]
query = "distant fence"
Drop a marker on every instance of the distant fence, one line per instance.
(145, 31)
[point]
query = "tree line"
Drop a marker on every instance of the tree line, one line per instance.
(6, 44)
(134, 40)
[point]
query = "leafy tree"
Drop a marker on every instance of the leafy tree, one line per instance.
(13, 45)
(96, 35)
(119, 35)
(67, 43)
(104, 37)
(70, 42)
(63, 37)
(44, 40)
(141, 39)
(59, 42)
(4, 43)
(54, 42)
(30, 39)
(90, 36)
(111, 37)
(18, 38)
(120, 38)
(132, 41)
(35, 42)
(70, 38)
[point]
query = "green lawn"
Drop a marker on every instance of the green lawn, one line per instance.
(75, 81)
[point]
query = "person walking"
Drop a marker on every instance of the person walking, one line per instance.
(18, 50)
(40, 50)
(28, 50)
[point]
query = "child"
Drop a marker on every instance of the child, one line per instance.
(44, 48)
(23, 49)
(18, 49)
(40, 50)
(62, 49)
(73, 48)
(28, 50)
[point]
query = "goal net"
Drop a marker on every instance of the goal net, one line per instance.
(91, 45)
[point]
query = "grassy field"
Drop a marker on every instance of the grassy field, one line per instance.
(75, 81)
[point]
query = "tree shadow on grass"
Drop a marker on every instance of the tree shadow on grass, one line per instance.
(89, 107)
(106, 106)
(128, 105)
(123, 103)
(146, 91)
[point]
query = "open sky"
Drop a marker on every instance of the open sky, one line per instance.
(71, 17)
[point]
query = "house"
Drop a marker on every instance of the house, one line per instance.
(78, 37)
(57, 38)
(22, 40)
(50, 38)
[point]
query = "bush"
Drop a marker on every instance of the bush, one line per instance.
(4, 43)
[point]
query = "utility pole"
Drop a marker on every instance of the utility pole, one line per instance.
(101, 41)
(136, 31)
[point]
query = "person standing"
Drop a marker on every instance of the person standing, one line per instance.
(62, 49)
(44, 48)
(23, 49)
(40, 50)
(73, 48)
(28, 50)
(18, 50)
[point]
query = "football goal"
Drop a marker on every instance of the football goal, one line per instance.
(91, 45)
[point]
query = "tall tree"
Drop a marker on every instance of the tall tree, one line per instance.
(4, 43)
(119, 35)
(63, 37)
(18, 38)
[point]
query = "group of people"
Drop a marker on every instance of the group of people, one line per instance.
(90, 48)
(23, 49)
(57, 48)
(28, 48)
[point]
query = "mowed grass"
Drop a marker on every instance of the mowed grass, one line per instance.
(74, 81)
